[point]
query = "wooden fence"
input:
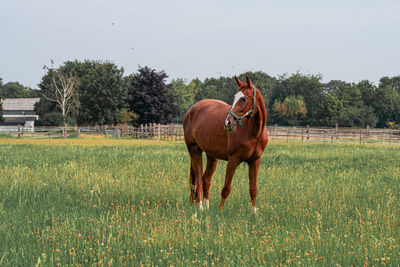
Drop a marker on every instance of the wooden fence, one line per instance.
(343, 135)
(175, 132)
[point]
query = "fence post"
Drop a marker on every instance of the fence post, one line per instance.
(175, 133)
(302, 135)
(275, 126)
(308, 132)
(360, 136)
(287, 135)
(65, 131)
(383, 139)
(337, 130)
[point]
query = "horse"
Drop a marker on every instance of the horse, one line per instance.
(234, 133)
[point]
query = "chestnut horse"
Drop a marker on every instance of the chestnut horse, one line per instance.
(234, 133)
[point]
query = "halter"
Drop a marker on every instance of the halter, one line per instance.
(250, 111)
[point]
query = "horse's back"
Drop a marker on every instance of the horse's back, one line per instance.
(203, 127)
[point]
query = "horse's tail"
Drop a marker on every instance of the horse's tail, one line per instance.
(192, 181)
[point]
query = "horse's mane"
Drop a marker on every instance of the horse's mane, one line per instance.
(262, 111)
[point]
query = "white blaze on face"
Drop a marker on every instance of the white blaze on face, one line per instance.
(238, 96)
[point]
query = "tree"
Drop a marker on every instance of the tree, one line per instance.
(102, 92)
(394, 82)
(17, 90)
(99, 97)
(63, 92)
(353, 110)
(150, 98)
(367, 90)
(309, 87)
(387, 105)
(353, 116)
(1, 103)
(291, 110)
(330, 110)
(184, 96)
(1, 109)
(223, 88)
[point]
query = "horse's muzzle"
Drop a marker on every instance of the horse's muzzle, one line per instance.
(229, 123)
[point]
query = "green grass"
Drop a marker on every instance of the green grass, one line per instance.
(127, 203)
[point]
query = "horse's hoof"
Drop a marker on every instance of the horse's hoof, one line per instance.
(255, 210)
(201, 206)
(207, 204)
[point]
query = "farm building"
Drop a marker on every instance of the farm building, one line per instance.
(19, 111)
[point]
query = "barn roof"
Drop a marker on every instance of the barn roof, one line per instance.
(25, 104)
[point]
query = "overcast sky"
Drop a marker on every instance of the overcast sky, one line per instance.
(348, 40)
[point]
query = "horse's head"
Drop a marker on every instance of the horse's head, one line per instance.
(243, 107)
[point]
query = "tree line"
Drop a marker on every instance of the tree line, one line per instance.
(103, 95)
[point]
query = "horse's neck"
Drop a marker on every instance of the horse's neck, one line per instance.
(261, 114)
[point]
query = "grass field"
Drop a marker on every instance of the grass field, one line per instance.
(116, 202)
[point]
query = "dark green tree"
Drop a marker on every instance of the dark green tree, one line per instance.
(150, 97)
(102, 92)
(387, 105)
(309, 87)
(354, 112)
(367, 90)
(184, 95)
(223, 88)
(330, 111)
(99, 98)
(17, 90)
(394, 82)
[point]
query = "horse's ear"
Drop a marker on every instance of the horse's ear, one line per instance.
(239, 83)
(249, 83)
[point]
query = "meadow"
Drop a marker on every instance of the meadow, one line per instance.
(125, 202)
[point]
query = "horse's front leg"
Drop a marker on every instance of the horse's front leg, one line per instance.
(230, 170)
(253, 171)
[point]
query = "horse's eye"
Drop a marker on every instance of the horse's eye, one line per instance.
(243, 99)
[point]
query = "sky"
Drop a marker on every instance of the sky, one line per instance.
(349, 40)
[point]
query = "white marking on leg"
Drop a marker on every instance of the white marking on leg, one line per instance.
(255, 209)
(207, 203)
(201, 206)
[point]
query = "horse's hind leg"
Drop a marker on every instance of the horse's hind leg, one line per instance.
(253, 171)
(210, 169)
(196, 170)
